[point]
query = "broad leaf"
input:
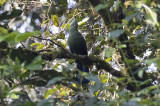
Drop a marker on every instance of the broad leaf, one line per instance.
(115, 34)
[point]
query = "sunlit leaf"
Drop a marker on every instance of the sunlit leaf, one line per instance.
(56, 20)
(49, 92)
(127, 3)
(4, 67)
(83, 21)
(14, 96)
(108, 59)
(116, 4)
(104, 78)
(45, 22)
(2, 2)
(39, 46)
(53, 37)
(75, 11)
(47, 33)
(153, 15)
(139, 4)
(66, 26)
(35, 44)
(63, 93)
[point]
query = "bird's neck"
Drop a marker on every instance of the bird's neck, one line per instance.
(73, 30)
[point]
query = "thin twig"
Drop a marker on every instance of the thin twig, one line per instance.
(22, 44)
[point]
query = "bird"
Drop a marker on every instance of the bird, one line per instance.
(77, 45)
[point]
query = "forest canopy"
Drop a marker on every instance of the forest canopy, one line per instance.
(37, 67)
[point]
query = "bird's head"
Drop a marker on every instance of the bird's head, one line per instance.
(74, 25)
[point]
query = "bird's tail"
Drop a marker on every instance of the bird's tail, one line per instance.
(83, 69)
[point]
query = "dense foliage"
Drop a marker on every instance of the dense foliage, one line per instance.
(37, 68)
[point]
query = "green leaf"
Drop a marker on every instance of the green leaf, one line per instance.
(47, 102)
(13, 96)
(115, 34)
(155, 91)
(152, 15)
(35, 44)
(4, 67)
(23, 36)
(101, 37)
(150, 61)
(49, 92)
(8, 37)
(36, 64)
(121, 46)
(117, 3)
(4, 90)
(11, 37)
(66, 26)
(130, 61)
(75, 11)
(158, 63)
(47, 33)
(148, 2)
(140, 73)
(97, 84)
(109, 52)
(3, 31)
(139, 4)
(128, 18)
(127, 3)
(100, 6)
(54, 80)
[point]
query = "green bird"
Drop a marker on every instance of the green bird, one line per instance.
(77, 45)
